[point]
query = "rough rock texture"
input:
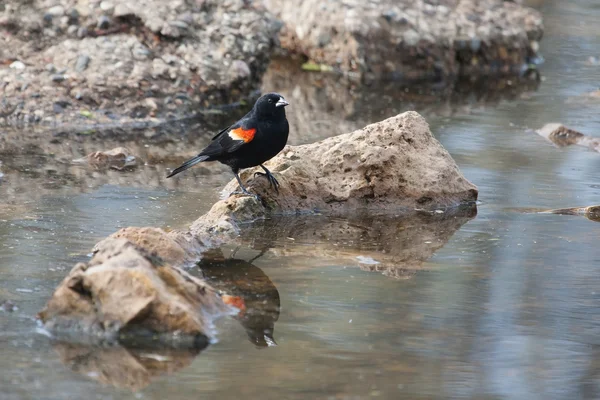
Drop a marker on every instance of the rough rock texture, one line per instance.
(408, 40)
(93, 60)
(396, 163)
(127, 290)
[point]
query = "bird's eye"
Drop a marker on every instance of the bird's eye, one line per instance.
(270, 100)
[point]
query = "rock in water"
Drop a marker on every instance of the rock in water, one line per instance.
(393, 164)
(127, 291)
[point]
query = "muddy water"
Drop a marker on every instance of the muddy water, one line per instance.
(492, 303)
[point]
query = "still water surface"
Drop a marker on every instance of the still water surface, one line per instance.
(497, 303)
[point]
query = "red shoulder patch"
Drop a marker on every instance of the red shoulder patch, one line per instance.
(246, 135)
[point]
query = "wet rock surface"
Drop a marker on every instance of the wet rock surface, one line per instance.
(393, 164)
(126, 290)
(411, 40)
(128, 60)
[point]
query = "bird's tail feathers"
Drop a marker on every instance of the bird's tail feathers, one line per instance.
(188, 164)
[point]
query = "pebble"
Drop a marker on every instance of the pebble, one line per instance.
(17, 65)
(122, 10)
(107, 6)
(50, 68)
(56, 11)
(82, 63)
(57, 78)
(103, 22)
(72, 30)
(82, 32)
(179, 24)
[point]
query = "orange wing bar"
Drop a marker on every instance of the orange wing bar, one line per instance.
(242, 134)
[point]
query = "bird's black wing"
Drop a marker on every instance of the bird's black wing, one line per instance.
(231, 139)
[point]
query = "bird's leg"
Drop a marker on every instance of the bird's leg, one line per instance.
(272, 180)
(244, 191)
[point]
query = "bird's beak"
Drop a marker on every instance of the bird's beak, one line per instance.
(281, 103)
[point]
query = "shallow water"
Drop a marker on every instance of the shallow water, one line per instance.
(497, 303)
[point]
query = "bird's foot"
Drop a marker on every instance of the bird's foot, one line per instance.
(244, 192)
(272, 180)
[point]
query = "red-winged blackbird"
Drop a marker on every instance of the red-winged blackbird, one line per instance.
(254, 139)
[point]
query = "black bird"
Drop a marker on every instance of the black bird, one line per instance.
(254, 139)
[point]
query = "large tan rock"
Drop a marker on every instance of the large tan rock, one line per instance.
(393, 164)
(409, 40)
(125, 290)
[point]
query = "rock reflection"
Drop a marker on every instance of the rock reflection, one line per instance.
(396, 246)
(260, 296)
(127, 368)
(325, 102)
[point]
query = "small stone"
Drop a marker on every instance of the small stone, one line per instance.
(122, 10)
(17, 65)
(411, 37)
(107, 6)
(56, 11)
(187, 17)
(140, 52)
(82, 63)
(82, 32)
(73, 16)
(103, 22)
(50, 68)
(7, 306)
(58, 78)
(179, 24)
(47, 19)
(57, 108)
(72, 30)
(239, 69)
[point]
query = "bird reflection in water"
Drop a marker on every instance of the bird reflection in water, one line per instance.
(260, 297)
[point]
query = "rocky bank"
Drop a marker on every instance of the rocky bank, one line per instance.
(411, 40)
(105, 61)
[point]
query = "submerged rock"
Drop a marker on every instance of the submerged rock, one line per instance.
(562, 136)
(590, 212)
(394, 164)
(411, 40)
(126, 290)
(117, 158)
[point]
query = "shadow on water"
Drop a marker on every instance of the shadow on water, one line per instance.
(261, 303)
